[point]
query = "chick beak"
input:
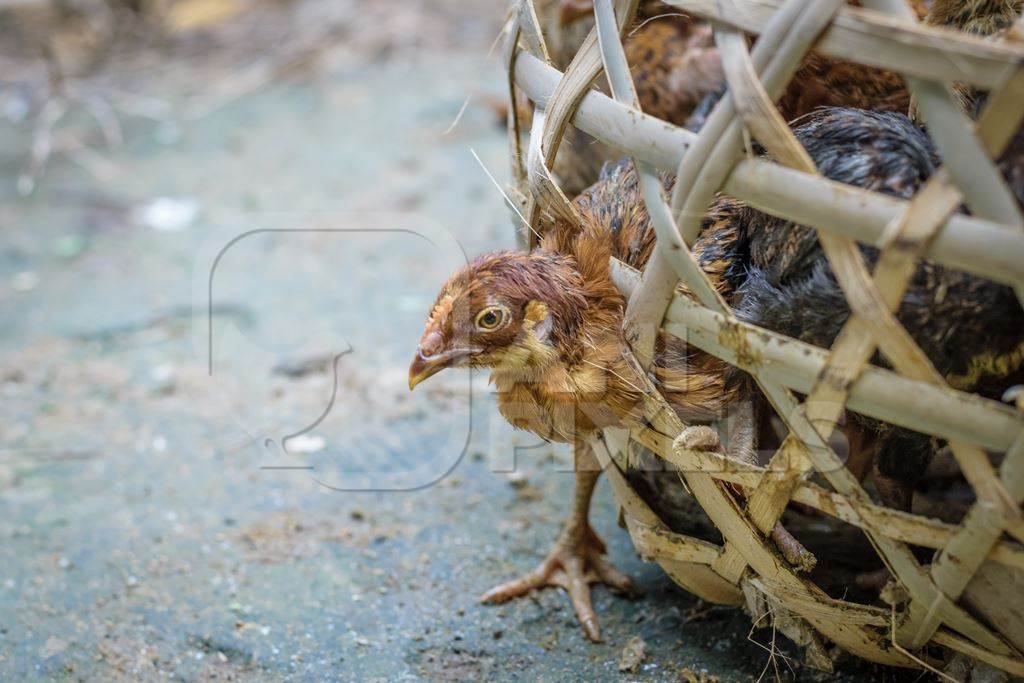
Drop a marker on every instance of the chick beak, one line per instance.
(423, 367)
(431, 358)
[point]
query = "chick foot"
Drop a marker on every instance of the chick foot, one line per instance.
(574, 564)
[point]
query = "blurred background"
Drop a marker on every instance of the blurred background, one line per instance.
(222, 225)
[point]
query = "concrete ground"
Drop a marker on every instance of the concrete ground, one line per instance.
(158, 523)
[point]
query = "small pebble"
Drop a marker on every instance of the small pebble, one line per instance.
(167, 214)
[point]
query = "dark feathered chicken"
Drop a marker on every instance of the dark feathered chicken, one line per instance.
(777, 276)
(971, 329)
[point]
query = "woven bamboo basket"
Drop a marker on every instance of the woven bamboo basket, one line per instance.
(969, 598)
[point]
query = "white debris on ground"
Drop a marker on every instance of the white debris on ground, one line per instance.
(167, 214)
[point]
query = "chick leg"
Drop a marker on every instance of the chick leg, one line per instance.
(862, 449)
(576, 561)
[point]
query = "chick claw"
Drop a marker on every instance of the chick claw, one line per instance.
(573, 565)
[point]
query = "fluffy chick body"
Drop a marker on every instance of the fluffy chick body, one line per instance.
(561, 366)
(982, 17)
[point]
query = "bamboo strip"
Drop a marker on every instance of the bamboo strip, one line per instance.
(850, 612)
(730, 520)
(658, 543)
(530, 30)
(865, 216)
(841, 213)
(733, 524)
(895, 524)
(985, 191)
(736, 527)
(970, 244)
(695, 577)
(874, 39)
(826, 403)
(723, 511)
(512, 116)
(878, 393)
(617, 70)
(954, 642)
(981, 529)
(584, 67)
(548, 200)
(514, 133)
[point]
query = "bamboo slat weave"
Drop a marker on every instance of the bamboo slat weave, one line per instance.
(941, 605)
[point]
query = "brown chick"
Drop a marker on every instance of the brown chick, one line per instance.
(673, 62)
(548, 326)
(982, 17)
(825, 81)
(678, 76)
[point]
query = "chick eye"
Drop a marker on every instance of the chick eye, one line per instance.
(490, 319)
